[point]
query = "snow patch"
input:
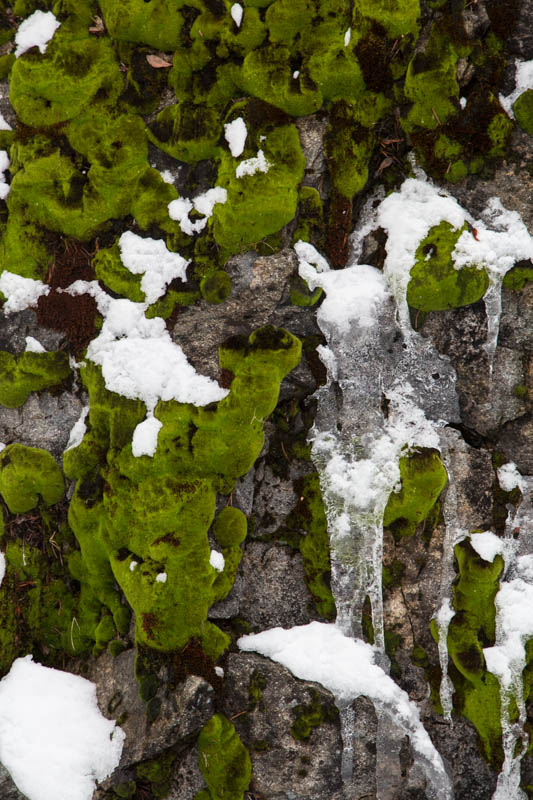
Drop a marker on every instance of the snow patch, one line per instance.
(347, 37)
(78, 430)
(235, 133)
(216, 559)
(33, 346)
(154, 261)
(180, 209)
(4, 124)
(53, 739)
(252, 165)
(145, 435)
(36, 31)
(4, 166)
(487, 545)
(523, 82)
(161, 577)
(2, 567)
(509, 477)
(20, 293)
(236, 14)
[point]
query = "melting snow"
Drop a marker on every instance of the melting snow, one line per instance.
(523, 82)
(145, 435)
(36, 31)
(78, 430)
(53, 739)
(2, 567)
(20, 292)
(509, 477)
(4, 166)
(4, 124)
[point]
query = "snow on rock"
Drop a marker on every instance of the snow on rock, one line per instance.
(139, 360)
(20, 293)
(2, 567)
(354, 293)
(235, 133)
(154, 261)
(523, 82)
(78, 430)
(33, 345)
(309, 255)
(180, 209)
(216, 559)
(4, 124)
(145, 435)
(252, 165)
(487, 545)
(509, 477)
(236, 14)
(53, 739)
(4, 166)
(514, 622)
(167, 176)
(346, 667)
(35, 31)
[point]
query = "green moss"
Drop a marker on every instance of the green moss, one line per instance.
(311, 715)
(216, 287)
(523, 111)
(259, 204)
(517, 277)
(109, 269)
(77, 71)
(28, 474)
(157, 23)
(398, 17)
(223, 760)
(471, 629)
(187, 132)
(435, 285)
(348, 146)
(156, 511)
(30, 372)
(158, 772)
(423, 479)
(255, 690)
(125, 790)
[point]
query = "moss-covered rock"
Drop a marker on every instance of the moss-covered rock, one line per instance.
(28, 474)
(435, 284)
(523, 111)
(30, 372)
(223, 761)
(423, 478)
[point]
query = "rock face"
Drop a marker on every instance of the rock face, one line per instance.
(171, 525)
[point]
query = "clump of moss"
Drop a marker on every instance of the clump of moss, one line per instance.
(153, 517)
(27, 474)
(259, 204)
(30, 372)
(523, 111)
(423, 478)
(518, 276)
(255, 690)
(311, 715)
(158, 772)
(216, 287)
(435, 284)
(223, 760)
(471, 629)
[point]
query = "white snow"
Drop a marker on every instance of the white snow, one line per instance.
(509, 477)
(487, 545)
(167, 176)
(235, 133)
(2, 567)
(4, 124)
(354, 293)
(219, 672)
(35, 31)
(180, 209)
(139, 360)
(78, 430)
(252, 165)
(20, 292)
(133, 564)
(523, 81)
(296, 74)
(309, 255)
(216, 559)
(4, 166)
(33, 345)
(53, 739)
(514, 602)
(154, 261)
(347, 37)
(145, 435)
(236, 14)
(161, 577)
(320, 652)
(462, 102)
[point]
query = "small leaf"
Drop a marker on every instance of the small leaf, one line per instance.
(157, 62)
(98, 26)
(384, 164)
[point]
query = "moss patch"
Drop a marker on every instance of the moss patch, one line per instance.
(30, 372)
(435, 285)
(223, 761)
(423, 479)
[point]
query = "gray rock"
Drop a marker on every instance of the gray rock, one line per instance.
(274, 591)
(8, 790)
(184, 710)
(283, 767)
(187, 779)
(516, 441)
(44, 420)
(517, 319)
(520, 42)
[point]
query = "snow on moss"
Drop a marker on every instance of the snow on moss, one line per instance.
(35, 31)
(154, 261)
